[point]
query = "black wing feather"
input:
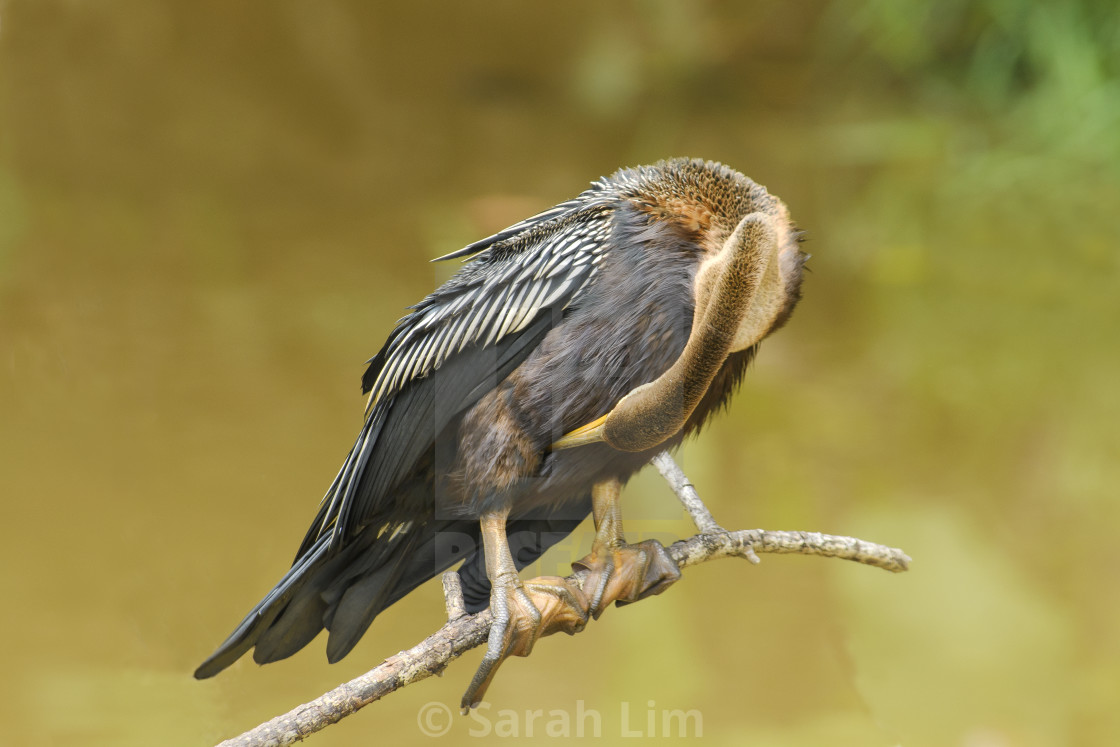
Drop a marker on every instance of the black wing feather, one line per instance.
(457, 345)
(361, 552)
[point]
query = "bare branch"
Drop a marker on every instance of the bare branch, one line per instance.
(426, 658)
(690, 499)
(463, 632)
(705, 547)
(453, 596)
(687, 494)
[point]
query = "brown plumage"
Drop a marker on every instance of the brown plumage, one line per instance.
(660, 279)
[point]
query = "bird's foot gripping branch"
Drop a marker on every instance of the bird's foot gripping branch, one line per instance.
(463, 632)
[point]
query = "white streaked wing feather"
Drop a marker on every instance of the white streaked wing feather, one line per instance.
(503, 323)
(423, 348)
(494, 311)
(455, 340)
(431, 359)
(529, 307)
(560, 289)
(384, 379)
(513, 291)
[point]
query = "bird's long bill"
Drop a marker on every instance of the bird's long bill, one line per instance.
(586, 434)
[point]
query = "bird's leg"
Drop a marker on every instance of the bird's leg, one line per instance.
(619, 572)
(523, 612)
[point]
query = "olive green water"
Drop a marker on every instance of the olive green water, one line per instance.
(212, 213)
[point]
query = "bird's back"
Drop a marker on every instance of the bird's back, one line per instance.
(553, 322)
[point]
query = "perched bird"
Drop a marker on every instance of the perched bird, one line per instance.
(522, 394)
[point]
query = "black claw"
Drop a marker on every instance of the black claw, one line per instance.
(495, 649)
(501, 639)
(659, 574)
(662, 572)
(517, 624)
(596, 607)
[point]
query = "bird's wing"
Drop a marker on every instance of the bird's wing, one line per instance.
(457, 345)
(517, 273)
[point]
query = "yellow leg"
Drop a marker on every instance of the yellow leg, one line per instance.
(619, 572)
(523, 612)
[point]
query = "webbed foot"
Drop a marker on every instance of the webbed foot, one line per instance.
(523, 613)
(624, 573)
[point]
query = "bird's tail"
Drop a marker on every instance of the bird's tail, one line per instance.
(344, 590)
(262, 616)
(341, 591)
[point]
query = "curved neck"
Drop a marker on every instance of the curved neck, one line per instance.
(725, 289)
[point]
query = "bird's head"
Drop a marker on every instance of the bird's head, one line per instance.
(747, 282)
(723, 212)
(776, 264)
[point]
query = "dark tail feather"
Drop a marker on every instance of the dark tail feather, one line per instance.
(356, 599)
(370, 561)
(345, 591)
(261, 617)
(355, 603)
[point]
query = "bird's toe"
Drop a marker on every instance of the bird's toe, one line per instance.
(523, 613)
(626, 573)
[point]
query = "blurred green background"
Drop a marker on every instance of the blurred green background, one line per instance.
(211, 214)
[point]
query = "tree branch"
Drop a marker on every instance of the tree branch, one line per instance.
(687, 494)
(463, 632)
